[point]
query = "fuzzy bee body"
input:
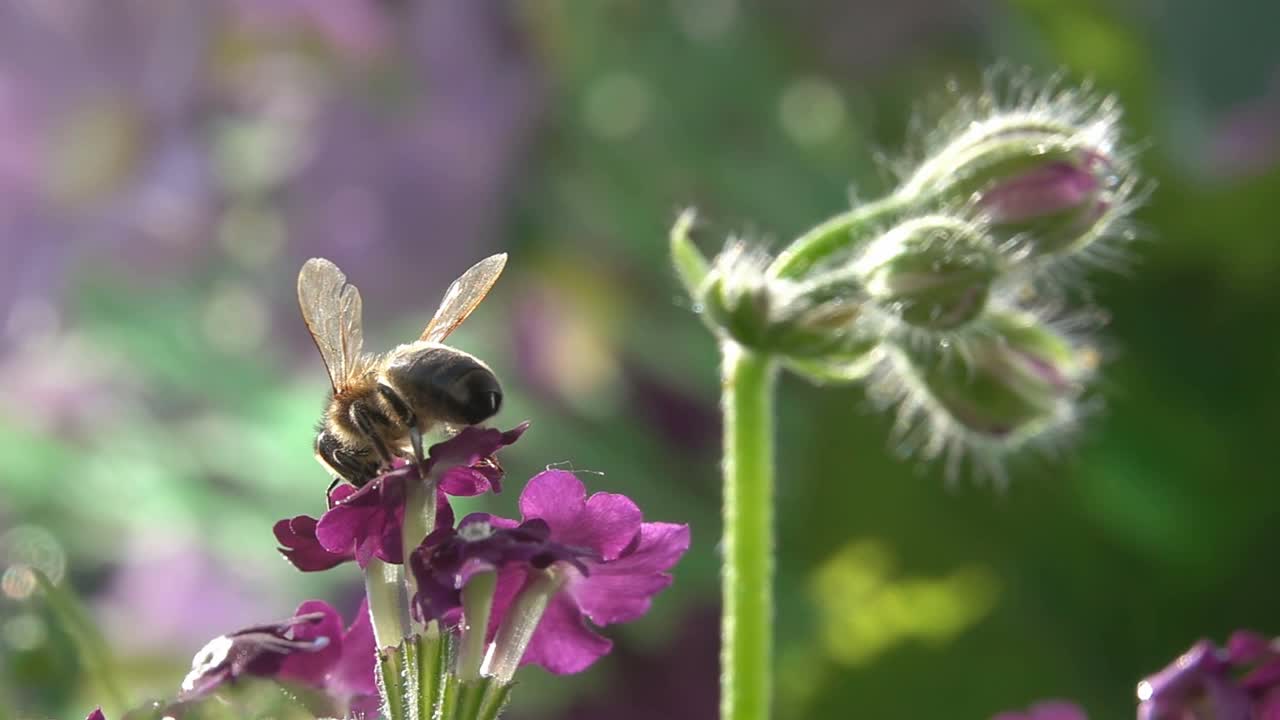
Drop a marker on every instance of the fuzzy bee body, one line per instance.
(382, 405)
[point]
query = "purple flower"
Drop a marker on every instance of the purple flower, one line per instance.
(448, 558)
(366, 523)
(311, 648)
(628, 567)
(1239, 682)
(96, 715)
(1047, 710)
(297, 536)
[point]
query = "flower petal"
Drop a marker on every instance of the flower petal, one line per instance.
(312, 668)
(352, 675)
(563, 644)
(556, 496)
(606, 523)
(472, 449)
(297, 536)
(623, 589)
(464, 481)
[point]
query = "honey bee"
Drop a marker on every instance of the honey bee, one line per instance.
(383, 404)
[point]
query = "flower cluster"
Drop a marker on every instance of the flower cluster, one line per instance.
(1238, 682)
(947, 294)
(485, 596)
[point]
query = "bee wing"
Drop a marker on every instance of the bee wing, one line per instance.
(463, 296)
(332, 310)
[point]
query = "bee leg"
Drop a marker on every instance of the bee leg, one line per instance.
(364, 418)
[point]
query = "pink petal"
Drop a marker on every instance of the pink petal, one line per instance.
(297, 536)
(556, 496)
(563, 644)
(605, 522)
(464, 481)
(339, 528)
(311, 668)
(622, 590)
(353, 673)
(1246, 646)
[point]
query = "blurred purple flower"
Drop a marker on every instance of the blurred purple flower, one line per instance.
(445, 159)
(359, 28)
(147, 604)
(448, 558)
(683, 419)
(630, 564)
(96, 715)
(311, 648)
(1239, 682)
(1246, 139)
(1047, 710)
(366, 523)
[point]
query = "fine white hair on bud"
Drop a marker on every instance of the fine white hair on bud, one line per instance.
(1016, 383)
(1043, 164)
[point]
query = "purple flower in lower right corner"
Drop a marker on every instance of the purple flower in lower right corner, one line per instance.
(624, 563)
(1238, 682)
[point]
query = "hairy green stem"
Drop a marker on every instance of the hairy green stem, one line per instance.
(477, 603)
(391, 682)
(833, 235)
(419, 520)
(747, 625)
(383, 585)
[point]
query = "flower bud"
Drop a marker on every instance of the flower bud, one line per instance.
(1012, 381)
(933, 273)
(783, 317)
(1053, 209)
(1046, 174)
(737, 297)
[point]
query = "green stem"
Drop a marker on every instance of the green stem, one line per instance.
(431, 651)
(747, 628)
(477, 604)
(521, 620)
(419, 520)
(391, 683)
(495, 699)
(383, 585)
(833, 235)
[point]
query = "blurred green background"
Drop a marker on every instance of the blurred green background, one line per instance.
(166, 166)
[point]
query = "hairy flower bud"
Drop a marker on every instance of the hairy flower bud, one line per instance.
(1014, 380)
(1054, 208)
(1046, 172)
(933, 272)
(807, 319)
(737, 297)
